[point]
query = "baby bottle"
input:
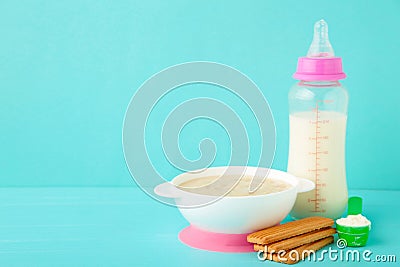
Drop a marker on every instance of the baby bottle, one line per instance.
(317, 122)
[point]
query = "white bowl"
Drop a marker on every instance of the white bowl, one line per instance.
(235, 214)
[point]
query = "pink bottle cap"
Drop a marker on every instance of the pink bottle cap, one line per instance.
(320, 63)
(319, 69)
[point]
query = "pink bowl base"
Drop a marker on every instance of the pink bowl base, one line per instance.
(200, 239)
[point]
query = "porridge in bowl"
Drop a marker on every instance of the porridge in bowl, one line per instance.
(219, 185)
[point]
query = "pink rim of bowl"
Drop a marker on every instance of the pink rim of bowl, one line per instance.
(200, 239)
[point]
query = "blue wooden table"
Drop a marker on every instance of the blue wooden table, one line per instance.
(124, 227)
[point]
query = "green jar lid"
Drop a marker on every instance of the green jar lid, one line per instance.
(354, 206)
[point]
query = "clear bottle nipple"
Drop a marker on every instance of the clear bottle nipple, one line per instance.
(320, 46)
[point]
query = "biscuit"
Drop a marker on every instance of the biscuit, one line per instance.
(296, 241)
(290, 229)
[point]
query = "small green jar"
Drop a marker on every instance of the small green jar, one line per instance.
(355, 236)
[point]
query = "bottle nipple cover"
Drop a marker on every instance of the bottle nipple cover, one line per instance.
(320, 46)
(320, 64)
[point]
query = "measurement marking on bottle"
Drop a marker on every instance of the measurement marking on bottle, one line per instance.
(317, 141)
(324, 137)
(318, 152)
(316, 206)
(317, 170)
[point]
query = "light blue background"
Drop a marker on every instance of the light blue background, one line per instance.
(69, 68)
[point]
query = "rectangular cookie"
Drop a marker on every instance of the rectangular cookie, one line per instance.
(296, 241)
(290, 229)
(299, 253)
